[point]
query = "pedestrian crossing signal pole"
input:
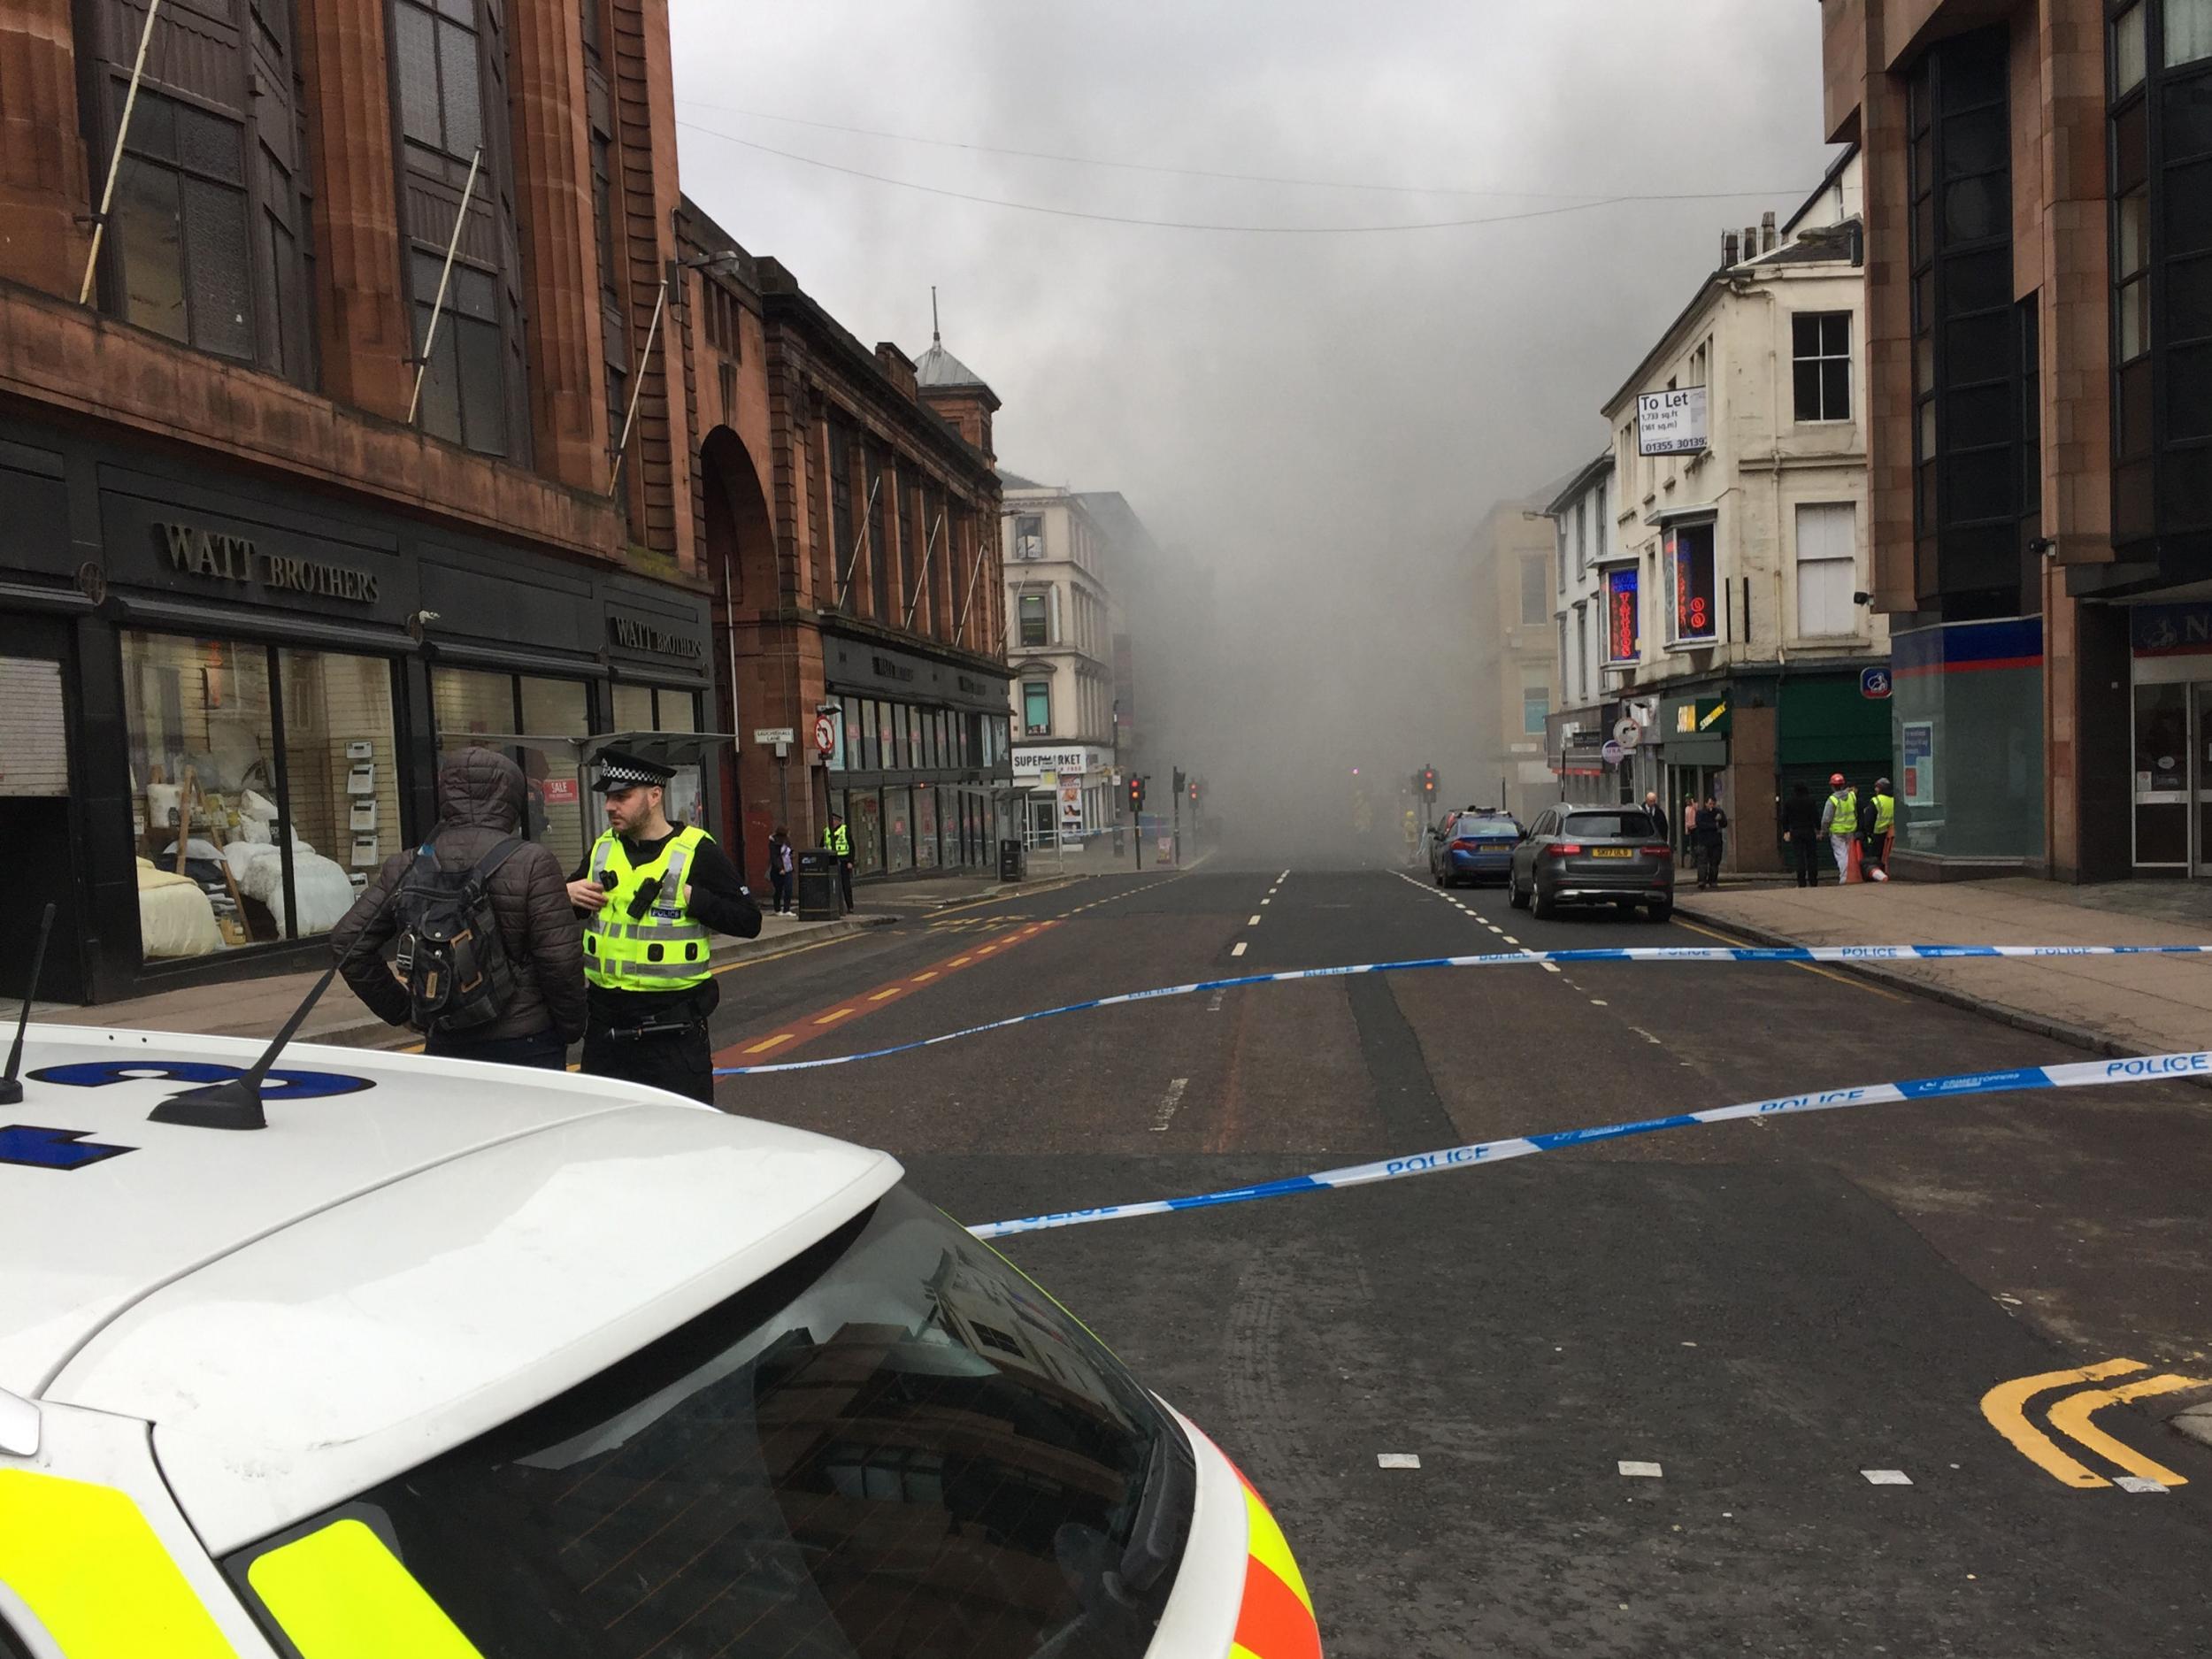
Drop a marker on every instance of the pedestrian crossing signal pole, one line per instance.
(1136, 817)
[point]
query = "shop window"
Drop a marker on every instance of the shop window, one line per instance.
(926, 828)
(677, 710)
(870, 758)
(340, 778)
(866, 823)
(1036, 708)
(470, 703)
(634, 709)
(1827, 568)
(898, 830)
(243, 839)
(1821, 354)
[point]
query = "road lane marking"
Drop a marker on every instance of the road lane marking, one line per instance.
(1267, 901)
(1638, 1471)
(1397, 1460)
(2070, 1417)
(1510, 939)
(1254, 922)
(2003, 1406)
(1213, 1003)
(1551, 967)
(800, 1028)
(1238, 948)
(1826, 973)
(1169, 1102)
(1887, 1476)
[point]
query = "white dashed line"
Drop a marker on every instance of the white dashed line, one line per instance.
(1254, 922)
(2138, 1484)
(1887, 1476)
(1639, 1470)
(1237, 950)
(1397, 1460)
(1169, 1102)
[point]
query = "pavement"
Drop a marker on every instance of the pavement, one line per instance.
(2112, 1005)
(257, 1008)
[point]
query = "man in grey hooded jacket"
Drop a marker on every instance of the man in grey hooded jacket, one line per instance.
(480, 795)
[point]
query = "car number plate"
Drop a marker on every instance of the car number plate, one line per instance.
(1612, 852)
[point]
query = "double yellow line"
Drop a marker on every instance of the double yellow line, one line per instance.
(2005, 1407)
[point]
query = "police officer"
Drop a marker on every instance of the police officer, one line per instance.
(839, 840)
(650, 895)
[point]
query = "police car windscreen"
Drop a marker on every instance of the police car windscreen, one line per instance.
(895, 1445)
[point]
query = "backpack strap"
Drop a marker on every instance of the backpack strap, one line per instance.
(499, 854)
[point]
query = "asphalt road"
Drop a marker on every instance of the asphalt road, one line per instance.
(1765, 1310)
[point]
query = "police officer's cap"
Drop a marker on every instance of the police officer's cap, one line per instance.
(619, 769)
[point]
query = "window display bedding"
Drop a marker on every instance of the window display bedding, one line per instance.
(174, 917)
(325, 891)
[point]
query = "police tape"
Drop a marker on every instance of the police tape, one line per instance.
(2080, 1074)
(1504, 959)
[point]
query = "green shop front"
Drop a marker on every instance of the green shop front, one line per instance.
(1747, 739)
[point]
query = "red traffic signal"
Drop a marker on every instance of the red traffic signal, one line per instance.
(1428, 780)
(1136, 793)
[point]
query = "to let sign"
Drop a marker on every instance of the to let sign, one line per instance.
(1670, 422)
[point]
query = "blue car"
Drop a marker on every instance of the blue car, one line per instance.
(1474, 845)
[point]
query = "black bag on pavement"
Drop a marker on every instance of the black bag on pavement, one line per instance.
(451, 957)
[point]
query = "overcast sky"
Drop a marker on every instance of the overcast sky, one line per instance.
(1323, 413)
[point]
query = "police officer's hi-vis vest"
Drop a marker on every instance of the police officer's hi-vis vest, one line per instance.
(838, 841)
(662, 950)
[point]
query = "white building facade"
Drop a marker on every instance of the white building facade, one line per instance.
(1061, 621)
(1588, 544)
(1731, 571)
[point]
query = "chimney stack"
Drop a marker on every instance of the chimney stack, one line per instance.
(1750, 241)
(1728, 251)
(1766, 231)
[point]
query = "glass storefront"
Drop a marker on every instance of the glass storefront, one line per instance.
(2171, 649)
(917, 824)
(467, 703)
(244, 836)
(1967, 714)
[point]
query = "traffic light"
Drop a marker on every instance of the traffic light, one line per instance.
(1193, 790)
(1178, 790)
(1428, 783)
(1136, 795)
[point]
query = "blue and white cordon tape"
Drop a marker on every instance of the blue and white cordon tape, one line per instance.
(2082, 1074)
(1506, 959)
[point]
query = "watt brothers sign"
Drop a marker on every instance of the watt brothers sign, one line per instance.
(215, 556)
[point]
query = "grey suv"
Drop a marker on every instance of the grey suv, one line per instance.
(1616, 856)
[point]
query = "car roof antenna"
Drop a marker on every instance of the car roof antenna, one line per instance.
(10, 1085)
(236, 1102)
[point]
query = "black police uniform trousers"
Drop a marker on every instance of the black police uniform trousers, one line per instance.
(668, 1051)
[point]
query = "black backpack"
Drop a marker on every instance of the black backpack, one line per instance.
(451, 957)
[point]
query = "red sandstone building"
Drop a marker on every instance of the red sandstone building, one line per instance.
(849, 507)
(2038, 206)
(247, 594)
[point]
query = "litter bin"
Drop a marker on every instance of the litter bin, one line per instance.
(1010, 860)
(820, 898)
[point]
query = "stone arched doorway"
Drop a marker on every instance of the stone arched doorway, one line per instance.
(739, 545)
